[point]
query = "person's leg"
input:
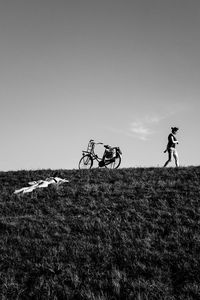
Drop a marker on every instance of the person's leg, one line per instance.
(175, 154)
(169, 157)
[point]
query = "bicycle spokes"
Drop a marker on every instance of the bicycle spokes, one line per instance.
(86, 162)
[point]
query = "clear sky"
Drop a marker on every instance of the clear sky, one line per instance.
(118, 71)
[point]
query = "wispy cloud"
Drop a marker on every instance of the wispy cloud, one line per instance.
(142, 129)
(145, 126)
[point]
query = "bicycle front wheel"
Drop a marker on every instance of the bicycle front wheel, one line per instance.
(85, 162)
(114, 163)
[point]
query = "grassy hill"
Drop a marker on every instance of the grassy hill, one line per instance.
(107, 234)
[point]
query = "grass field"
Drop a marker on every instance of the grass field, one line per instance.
(107, 234)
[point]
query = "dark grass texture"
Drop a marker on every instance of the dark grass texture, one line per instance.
(107, 234)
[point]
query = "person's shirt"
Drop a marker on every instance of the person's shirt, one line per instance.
(171, 140)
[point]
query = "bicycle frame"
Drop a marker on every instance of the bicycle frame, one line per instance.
(90, 150)
(93, 155)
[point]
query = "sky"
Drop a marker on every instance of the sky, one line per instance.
(121, 72)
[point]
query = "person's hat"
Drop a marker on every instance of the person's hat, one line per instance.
(174, 128)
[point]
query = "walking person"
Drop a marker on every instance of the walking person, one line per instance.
(172, 152)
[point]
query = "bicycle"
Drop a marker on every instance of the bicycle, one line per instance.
(111, 158)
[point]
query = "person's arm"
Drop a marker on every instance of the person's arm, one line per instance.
(174, 140)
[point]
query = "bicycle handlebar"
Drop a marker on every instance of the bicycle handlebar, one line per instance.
(100, 143)
(96, 143)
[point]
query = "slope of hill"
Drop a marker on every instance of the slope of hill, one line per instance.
(107, 234)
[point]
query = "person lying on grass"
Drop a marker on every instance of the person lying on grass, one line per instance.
(41, 184)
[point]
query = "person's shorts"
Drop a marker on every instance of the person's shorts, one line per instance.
(173, 151)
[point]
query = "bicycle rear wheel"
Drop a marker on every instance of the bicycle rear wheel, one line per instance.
(85, 162)
(114, 163)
